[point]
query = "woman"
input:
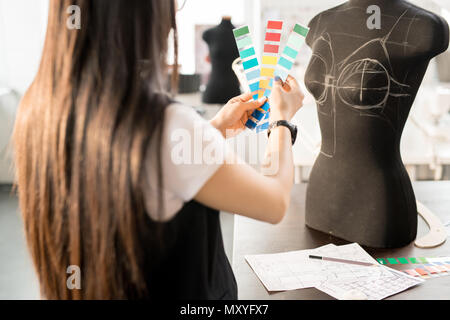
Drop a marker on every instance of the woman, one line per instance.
(97, 185)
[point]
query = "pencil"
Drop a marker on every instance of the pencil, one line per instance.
(367, 264)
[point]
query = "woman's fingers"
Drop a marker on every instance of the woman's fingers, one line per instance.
(292, 82)
(245, 96)
(280, 84)
(252, 105)
(295, 86)
(287, 87)
(278, 81)
(241, 98)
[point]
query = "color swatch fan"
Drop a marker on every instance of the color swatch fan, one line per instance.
(261, 79)
(291, 50)
(248, 56)
(269, 62)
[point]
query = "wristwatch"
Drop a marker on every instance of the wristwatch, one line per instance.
(292, 128)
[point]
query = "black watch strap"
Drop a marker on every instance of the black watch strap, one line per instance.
(287, 124)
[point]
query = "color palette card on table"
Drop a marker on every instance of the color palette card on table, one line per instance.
(435, 267)
(423, 267)
(403, 260)
(260, 78)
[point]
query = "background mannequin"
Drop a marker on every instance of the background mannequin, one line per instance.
(223, 83)
(365, 82)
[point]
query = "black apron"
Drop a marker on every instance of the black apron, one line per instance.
(187, 261)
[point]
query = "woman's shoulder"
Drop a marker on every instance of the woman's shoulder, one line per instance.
(181, 115)
(177, 108)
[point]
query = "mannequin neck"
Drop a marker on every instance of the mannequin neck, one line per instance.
(226, 23)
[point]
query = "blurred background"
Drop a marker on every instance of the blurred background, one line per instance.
(425, 144)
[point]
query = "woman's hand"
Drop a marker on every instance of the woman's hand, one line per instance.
(231, 119)
(285, 100)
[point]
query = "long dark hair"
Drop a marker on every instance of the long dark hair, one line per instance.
(81, 139)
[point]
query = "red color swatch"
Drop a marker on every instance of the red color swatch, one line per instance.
(271, 48)
(421, 272)
(270, 36)
(411, 273)
(431, 269)
(275, 25)
(441, 268)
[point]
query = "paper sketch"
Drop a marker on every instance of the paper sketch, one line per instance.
(294, 270)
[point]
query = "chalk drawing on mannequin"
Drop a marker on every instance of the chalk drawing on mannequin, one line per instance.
(360, 82)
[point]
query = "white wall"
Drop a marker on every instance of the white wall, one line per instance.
(22, 31)
(23, 22)
(203, 12)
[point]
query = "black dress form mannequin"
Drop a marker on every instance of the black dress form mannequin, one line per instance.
(223, 83)
(365, 82)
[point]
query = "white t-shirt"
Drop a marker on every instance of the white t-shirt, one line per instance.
(192, 151)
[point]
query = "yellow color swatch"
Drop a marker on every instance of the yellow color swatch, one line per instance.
(271, 60)
(261, 92)
(265, 84)
(267, 72)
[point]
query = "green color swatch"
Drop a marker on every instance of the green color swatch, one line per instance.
(250, 64)
(301, 30)
(423, 260)
(403, 260)
(247, 53)
(241, 31)
(382, 261)
(392, 261)
(413, 260)
(295, 41)
(285, 63)
(244, 42)
(290, 52)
